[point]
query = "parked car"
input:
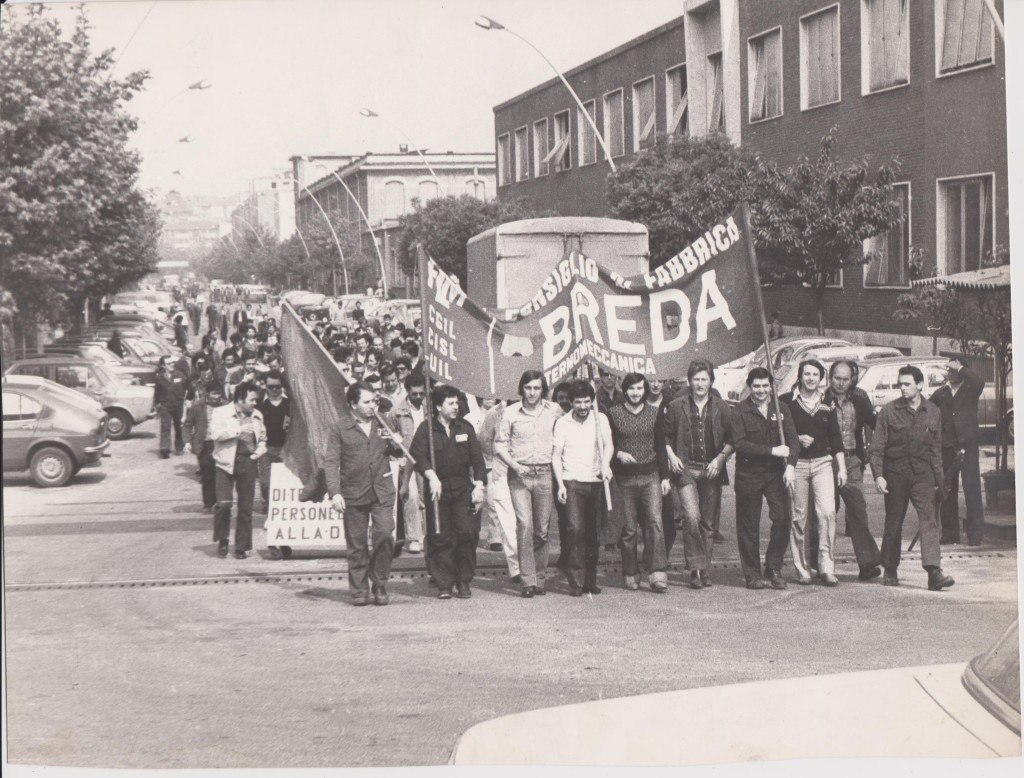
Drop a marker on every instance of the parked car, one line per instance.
(880, 379)
(957, 710)
(405, 311)
(125, 405)
(786, 377)
(130, 370)
(163, 300)
(784, 351)
(47, 433)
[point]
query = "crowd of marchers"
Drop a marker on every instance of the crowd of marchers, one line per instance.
(625, 464)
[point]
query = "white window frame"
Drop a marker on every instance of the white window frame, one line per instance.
(865, 51)
(504, 173)
(941, 266)
(605, 121)
(669, 108)
(567, 152)
(582, 128)
(910, 243)
(709, 91)
(524, 174)
(540, 167)
(750, 76)
(652, 123)
(804, 53)
(940, 27)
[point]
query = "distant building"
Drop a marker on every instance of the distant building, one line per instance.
(192, 226)
(385, 186)
(921, 80)
(269, 207)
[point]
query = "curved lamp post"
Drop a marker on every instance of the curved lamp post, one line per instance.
(487, 23)
(374, 115)
(344, 267)
(366, 221)
(249, 225)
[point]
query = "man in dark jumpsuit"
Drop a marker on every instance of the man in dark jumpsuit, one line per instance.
(169, 402)
(454, 492)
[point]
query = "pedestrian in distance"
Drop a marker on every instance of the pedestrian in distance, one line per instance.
(582, 449)
(276, 410)
(454, 492)
(239, 440)
(775, 330)
(357, 468)
(906, 459)
(765, 466)
(169, 403)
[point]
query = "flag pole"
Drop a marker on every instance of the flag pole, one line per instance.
(752, 257)
(421, 257)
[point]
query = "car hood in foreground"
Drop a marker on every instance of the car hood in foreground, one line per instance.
(907, 712)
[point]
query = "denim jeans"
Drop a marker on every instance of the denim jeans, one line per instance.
(752, 489)
(373, 524)
(903, 490)
(531, 500)
(637, 500)
(814, 477)
(582, 528)
(243, 480)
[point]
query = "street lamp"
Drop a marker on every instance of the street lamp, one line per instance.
(487, 23)
(344, 267)
(249, 225)
(366, 221)
(374, 115)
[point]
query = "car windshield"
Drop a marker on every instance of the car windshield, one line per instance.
(993, 679)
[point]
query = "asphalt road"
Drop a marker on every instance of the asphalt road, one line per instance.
(130, 644)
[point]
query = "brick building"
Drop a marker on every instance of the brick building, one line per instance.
(385, 186)
(921, 80)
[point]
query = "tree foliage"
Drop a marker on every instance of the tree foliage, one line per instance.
(74, 223)
(680, 186)
(444, 225)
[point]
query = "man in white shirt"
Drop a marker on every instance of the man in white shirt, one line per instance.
(581, 460)
(499, 519)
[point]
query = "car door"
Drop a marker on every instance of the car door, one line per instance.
(21, 415)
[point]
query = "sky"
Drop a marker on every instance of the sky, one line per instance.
(290, 76)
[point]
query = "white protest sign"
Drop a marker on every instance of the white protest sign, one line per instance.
(291, 522)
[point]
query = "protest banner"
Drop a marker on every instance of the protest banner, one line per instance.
(293, 522)
(702, 303)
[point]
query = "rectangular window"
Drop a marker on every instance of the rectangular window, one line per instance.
(522, 158)
(504, 160)
(890, 261)
(819, 58)
(715, 94)
(614, 132)
(965, 221)
(587, 140)
(643, 114)
(885, 44)
(540, 147)
(676, 102)
(561, 154)
(967, 34)
(764, 75)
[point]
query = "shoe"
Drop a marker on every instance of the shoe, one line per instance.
(867, 572)
(974, 542)
(718, 536)
(575, 590)
(165, 454)
(659, 587)
(462, 591)
(495, 547)
(527, 592)
(827, 579)
(222, 549)
(695, 581)
(275, 552)
(179, 451)
(757, 583)
(539, 591)
(240, 555)
(938, 580)
(361, 599)
(948, 540)
(890, 579)
(592, 589)
(774, 579)
(415, 547)
(444, 594)
(705, 578)
(516, 579)
(629, 582)
(381, 597)
(804, 580)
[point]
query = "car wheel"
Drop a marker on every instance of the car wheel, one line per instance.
(51, 466)
(119, 424)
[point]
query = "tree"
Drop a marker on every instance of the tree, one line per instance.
(811, 220)
(444, 225)
(680, 186)
(74, 224)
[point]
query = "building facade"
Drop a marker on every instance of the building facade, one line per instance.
(917, 80)
(373, 191)
(269, 207)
